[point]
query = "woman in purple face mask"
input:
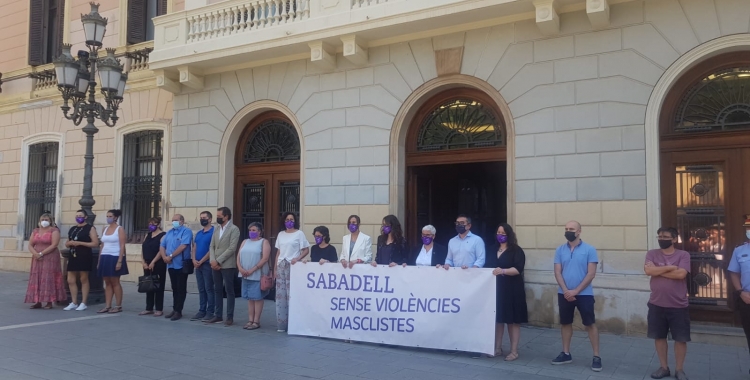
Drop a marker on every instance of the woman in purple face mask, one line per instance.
(508, 263)
(357, 247)
(292, 247)
(323, 252)
(81, 239)
(429, 253)
(252, 263)
(392, 249)
(153, 264)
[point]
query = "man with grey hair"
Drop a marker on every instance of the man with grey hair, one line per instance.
(430, 253)
(175, 251)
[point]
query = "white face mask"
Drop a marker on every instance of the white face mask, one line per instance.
(44, 224)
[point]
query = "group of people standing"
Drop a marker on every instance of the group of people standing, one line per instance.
(213, 256)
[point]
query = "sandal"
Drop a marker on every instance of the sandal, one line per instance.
(47, 306)
(146, 312)
(254, 326)
(497, 353)
(115, 309)
(511, 357)
(105, 310)
(158, 314)
(37, 305)
(247, 325)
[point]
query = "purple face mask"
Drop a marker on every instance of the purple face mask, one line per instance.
(151, 227)
(386, 230)
(502, 239)
(289, 224)
(426, 240)
(80, 219)
(253, 234)
(353, 228)
(318, 240)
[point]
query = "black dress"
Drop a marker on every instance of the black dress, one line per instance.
(396, 252)
(80, 259)
(511, 295)
(149, 250)
(328, 253)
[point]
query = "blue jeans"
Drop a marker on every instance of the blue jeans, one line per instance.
(206, 289)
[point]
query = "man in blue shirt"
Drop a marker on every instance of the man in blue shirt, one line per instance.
(203, 275)
(575, 268)
(739, 271)
(175, 250)
(465, 249)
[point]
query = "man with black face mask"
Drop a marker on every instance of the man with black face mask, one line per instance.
(203, 275)
(668, 304)
(575, 268)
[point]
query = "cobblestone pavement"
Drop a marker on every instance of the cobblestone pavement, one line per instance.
(60, 345)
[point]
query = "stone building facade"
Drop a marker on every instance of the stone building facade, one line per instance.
(580, 110)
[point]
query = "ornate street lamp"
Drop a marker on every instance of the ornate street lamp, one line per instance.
(76, 80)
(77, 77)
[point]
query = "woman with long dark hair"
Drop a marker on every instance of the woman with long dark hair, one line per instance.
(508, 262)
(392, 249)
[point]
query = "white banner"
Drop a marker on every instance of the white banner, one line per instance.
(412, 306)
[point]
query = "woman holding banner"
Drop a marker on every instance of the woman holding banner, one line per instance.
(429, 253)
(357, 248)
(293, 247)
(392, 249)
(508, 263)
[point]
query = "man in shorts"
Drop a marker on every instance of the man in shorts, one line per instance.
(668, 304)
(575, 268)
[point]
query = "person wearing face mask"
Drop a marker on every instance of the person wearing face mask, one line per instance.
(112, 263)
(322, 252)
(81, 239)
(292, 247)
(429, 253)
(252, 263)
(668, 304)
(739, 272)
(507, 265)
(391, 244)
(45, 278)
(575, 269)
(357, 247)
(465, 249)
(153, 264)
(203, 274)
(223, 256)
(175, 251)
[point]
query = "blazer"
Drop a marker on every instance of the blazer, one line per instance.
(224, 250)
(439, 253)
(362, 248)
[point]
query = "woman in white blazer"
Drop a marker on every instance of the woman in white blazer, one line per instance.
(357, 247)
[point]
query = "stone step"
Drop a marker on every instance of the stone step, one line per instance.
(722, 335)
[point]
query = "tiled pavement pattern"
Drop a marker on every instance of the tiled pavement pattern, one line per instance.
(40, 344)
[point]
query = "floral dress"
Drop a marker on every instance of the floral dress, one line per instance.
(45, 278)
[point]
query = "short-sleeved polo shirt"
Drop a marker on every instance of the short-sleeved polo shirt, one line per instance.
(740, 263)
(174, 238)
(203, 242)
(575, 265)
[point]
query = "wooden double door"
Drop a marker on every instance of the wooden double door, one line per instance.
(705, 194)
(265, 198)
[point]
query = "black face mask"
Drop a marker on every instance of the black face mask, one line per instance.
(570, 235)
(220, 220)
(460, 228)
(664, 244)
(204, 222)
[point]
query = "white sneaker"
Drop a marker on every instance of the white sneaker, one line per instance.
(82, 307)
(70, 307)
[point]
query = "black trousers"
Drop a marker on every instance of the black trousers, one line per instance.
(224, 280)
(179, 288)
(157, 297)
(745, 317)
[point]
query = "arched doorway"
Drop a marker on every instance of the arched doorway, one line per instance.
(267, 173)
(704, 140)
(456, 164)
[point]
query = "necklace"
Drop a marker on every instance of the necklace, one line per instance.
(74, 236)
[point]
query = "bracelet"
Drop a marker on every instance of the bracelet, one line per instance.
(503, 272)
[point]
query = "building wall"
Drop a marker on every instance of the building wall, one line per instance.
(577, 102)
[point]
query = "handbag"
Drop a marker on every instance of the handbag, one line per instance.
(187, 266)
(148, 283)
(267, 280)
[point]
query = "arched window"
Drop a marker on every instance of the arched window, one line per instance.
(274, 140)
(460, 124)
(718, 102)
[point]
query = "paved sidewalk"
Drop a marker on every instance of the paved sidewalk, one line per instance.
(60, 345)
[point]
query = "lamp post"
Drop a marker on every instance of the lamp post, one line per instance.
(76, 80)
